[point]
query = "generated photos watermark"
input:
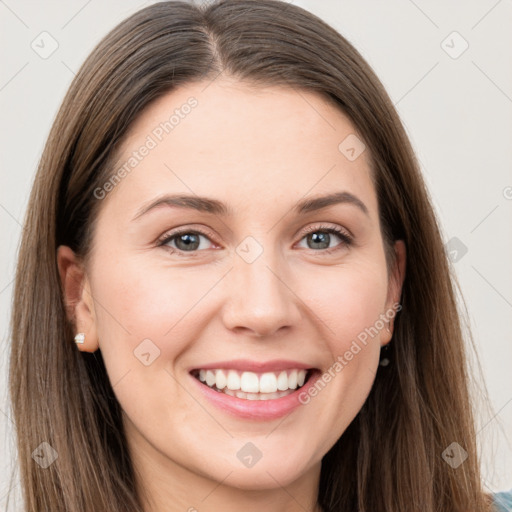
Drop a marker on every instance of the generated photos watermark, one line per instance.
(344, 359)
(152, 140)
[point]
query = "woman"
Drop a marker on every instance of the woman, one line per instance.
(179, 335)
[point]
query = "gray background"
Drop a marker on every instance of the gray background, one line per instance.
(456, 106)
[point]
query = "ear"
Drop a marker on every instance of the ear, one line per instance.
(395, 283)
(77, 297)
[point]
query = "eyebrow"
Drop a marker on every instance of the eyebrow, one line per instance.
(317, 203)
(215, 207)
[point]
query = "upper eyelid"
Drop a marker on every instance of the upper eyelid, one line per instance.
(324, 226)
(170, 235)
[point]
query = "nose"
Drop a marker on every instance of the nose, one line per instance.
(261, 299)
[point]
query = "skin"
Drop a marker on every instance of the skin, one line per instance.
(260, 151)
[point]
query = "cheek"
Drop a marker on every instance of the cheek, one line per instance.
(138, 301)
(349, 308)
(347, 301)
(148, 314)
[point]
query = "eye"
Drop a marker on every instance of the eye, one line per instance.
(320, 237)
(185, 240)
(189, 241)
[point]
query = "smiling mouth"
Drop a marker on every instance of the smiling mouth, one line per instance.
(254, 386)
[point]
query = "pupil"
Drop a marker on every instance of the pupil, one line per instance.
(190, 241)
(316, 238)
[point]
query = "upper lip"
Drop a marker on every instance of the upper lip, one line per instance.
(254, 366)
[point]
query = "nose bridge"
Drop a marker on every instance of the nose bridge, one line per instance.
(260, 299)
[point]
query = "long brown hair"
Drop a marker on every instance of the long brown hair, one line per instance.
(390, 457)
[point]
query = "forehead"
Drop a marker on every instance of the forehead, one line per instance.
(244, 144)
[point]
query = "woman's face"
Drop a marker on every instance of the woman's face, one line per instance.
(255, 277)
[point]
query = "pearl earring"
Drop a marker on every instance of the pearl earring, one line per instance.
(80, 337)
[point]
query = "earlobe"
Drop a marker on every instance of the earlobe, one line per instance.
(77, 297)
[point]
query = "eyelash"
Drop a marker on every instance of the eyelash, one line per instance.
(346, 239)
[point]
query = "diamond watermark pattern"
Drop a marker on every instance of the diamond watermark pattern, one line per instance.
(456, 249)
(44, 455)
(454, 455)
(146, 352)
(249, 455)
(454, 45)
(44, 45)
(352, 147)
(249, 249)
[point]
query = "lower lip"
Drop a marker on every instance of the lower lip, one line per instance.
(257, 409)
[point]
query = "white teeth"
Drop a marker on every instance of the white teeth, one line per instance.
(221, 380)
(256, 396)
(268, 383)
(292, 379)
(210, 378)
(282, 381)
(252, 384)
(233, 380)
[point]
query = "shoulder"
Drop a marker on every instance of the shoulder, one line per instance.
(503, 501)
